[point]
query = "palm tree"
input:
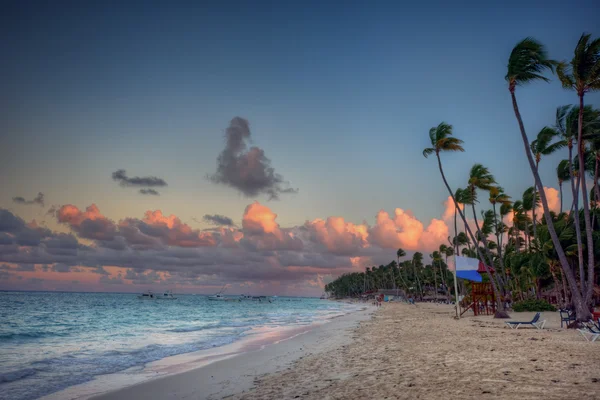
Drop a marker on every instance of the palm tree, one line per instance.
(563, 174)
(442, 141)
(497, 196)
(542, 146)
(436, 258)
(531, 201)
(583, 75)
(479, 178)
(417, 263)
(399, 254)
(527, 62)
(462, 197)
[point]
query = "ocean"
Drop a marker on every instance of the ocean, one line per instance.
(50, 341)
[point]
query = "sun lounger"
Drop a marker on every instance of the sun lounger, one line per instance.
(535, 322)
(590, 332)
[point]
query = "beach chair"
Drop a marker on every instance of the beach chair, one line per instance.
(566, 317)
(535, 322)
(590, 332)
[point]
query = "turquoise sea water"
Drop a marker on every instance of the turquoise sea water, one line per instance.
(49, 341)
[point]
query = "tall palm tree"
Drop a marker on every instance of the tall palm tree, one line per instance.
(583, 75)
(417, 262)
(527, 62)
(531, 201)
(399, 254)
(543, 145)
(479, 178)
(436, 259)
(567, 123)
(497, 196)
(442, 141)
(563, 174)
(463, 197)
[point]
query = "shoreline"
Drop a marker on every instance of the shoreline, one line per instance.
(220, 371)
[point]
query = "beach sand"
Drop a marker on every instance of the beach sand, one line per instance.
(420, 352)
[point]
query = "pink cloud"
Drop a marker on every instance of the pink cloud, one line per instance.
(177, 233)
(407, 232)
(262, 232)
(337, 235)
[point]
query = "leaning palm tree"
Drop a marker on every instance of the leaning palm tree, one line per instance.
(567, 123)
(527, 62)
(583, 75)
(442, 141)
(563, 174)
(543, 145)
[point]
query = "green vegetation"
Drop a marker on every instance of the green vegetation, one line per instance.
(552, 254)
(533, 305)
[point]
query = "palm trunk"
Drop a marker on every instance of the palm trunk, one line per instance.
(575, 215)
(556, 285)
(596, 188)
(487, 250)
(501, 313)
(434, 280)
(581, 309)
(561, 195)
(586, 206)
(455, 231)
(499, 241)
(534, 204)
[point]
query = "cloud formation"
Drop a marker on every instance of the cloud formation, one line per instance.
(217, 219)
(147, 181)
(150, 192)
(39, 200)
(247, 170)
(161, 249)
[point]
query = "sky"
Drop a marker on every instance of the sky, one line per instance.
(263, 145)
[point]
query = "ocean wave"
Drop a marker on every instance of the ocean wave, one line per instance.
(29, 335)
(16, 375)
(186, 329)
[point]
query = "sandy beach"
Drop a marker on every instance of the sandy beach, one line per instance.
(420, 352)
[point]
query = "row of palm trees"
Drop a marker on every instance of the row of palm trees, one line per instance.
(528, 62)
(408, 277)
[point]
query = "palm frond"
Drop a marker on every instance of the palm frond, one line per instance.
(527, 62)
(427, 152)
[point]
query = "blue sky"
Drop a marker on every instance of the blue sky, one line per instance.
(340, 98)
(348, 90)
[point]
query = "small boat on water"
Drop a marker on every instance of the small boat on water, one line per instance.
(220, 297)
(168, 295)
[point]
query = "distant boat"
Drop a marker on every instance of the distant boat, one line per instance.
(168, 295)
(219, 297)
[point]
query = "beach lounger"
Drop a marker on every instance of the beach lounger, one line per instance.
(590, 333)
(535, 322)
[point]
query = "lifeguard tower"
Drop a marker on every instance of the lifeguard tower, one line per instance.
(483, 300)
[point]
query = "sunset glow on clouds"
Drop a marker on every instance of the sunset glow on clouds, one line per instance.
(161, 251)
